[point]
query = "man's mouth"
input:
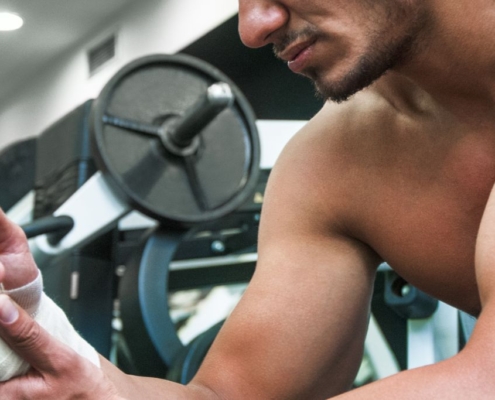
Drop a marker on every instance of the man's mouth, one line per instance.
(297, 55)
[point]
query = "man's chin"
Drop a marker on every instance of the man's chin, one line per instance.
(344, 88)
(334, 92)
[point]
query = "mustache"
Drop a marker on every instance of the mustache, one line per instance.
(294, 36)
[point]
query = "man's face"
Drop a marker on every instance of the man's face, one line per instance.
(342, 45)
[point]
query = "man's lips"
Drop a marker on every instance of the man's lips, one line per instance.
(297, 55)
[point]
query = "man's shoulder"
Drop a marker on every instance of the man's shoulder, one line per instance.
(338, 129)
(344, 146)
(337, 139)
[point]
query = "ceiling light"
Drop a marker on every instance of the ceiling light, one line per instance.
(10, 21)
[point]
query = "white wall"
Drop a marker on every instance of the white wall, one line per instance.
(147, 27)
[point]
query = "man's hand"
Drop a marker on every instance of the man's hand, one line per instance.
(57, 371)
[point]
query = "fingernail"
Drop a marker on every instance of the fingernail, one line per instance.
(8, 311)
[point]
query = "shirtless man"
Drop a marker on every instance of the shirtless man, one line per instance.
(400, 172)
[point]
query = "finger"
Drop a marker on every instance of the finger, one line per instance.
(29, 340)
(29, 386)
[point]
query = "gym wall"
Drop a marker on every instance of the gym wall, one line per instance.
(144, 27)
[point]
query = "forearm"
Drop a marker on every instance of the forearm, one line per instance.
(135, 387)
(446, 380)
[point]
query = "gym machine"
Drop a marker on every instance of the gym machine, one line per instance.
(169, 136)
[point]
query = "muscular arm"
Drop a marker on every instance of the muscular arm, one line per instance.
(298, 331)
(470, 373)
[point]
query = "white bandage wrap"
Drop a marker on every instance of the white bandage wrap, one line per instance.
(51, 318)
(28, 296)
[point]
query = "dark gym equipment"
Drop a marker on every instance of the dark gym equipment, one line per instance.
(55, 227)
(143, 326)
(81, 281)
(233, 235)
(176, 139)
(406, 300)
(393, 326)
(149, 331)
(173, 138)
(63, 160)
(17, 169)
(150, 283)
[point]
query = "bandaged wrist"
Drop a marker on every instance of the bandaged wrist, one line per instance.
(51, 318)
(28, 296)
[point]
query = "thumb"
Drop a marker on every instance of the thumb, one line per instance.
(28, 339)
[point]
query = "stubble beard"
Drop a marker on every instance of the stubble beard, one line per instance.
(371, 65)
(384, 54)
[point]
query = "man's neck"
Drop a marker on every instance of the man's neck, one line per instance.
(455, 60)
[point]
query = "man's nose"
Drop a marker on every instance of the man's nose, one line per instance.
(259, 20)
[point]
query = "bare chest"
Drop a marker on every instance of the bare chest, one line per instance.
(424, 213)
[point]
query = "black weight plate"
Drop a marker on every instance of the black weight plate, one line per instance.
(180, 191)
